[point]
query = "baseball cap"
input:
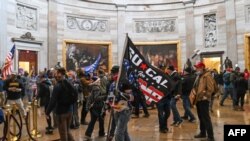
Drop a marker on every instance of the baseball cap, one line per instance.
(115, 69)
(199, 65)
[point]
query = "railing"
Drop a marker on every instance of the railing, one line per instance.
(13, 124)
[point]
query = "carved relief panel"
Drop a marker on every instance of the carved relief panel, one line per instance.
(210, 30)
(156, 25)
(26, 17)
(248, 14)
(87, 24)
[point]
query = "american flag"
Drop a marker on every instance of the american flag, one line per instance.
(8, 64)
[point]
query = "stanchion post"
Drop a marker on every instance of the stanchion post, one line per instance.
(8, 112)
(14, 112)
(35, 133)
(29, 112)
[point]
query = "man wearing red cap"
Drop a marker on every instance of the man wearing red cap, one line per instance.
(204, 88)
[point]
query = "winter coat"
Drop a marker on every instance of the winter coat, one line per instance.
(187, 83)
(204, 86)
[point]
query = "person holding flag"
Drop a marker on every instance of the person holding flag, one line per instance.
(154, 84)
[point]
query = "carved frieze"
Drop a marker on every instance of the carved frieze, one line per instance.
(87, 24)
(26, 17)
(210, 30)
(155, 25)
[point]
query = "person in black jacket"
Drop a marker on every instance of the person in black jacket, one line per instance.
(176, 94)
(14, 90)
(187, 85)
(241, 86)
(44, 96)
(63, 111)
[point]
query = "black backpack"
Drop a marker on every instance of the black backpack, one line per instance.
(69, 94)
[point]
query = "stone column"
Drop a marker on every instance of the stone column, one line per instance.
(190, 30)
(3, 30)
(231, 31)
(121, 31)
(52, 33)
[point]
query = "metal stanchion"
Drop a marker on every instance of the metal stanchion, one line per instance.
(14, 112)
(29, 112)
(8, 112)
(35, 133)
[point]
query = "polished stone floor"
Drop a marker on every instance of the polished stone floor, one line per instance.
(147, 129)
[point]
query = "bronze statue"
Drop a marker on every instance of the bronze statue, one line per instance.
(228, 63)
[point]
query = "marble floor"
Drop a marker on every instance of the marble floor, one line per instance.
(147, 129)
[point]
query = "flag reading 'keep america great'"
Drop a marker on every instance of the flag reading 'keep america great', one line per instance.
(152, 82)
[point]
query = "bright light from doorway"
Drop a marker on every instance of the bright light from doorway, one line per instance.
(212, 63)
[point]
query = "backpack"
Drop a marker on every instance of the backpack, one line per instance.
(69, 94)
(103, 85)
(226, 79)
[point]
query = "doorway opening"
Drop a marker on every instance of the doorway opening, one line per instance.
(212, 60)
(212, 63)
(27, 61)
(247, 51)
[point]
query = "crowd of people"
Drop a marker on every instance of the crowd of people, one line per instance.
(63, 93)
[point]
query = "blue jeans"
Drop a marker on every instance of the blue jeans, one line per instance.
(187, 107)
(175, 111)
(227, 91)
(163, 108)
(121, 120)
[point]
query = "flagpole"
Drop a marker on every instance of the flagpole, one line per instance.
(116, 88)
(121, 61)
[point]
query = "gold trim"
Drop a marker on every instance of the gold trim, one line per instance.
(64, 45)
(177, 42)
(247, 50)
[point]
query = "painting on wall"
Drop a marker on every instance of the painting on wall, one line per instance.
(161, 54)
(86, 55)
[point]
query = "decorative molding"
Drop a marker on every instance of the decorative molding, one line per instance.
(155, 25)
(248, 14)
(27, 38)
(185, 2)
(26, 17)
(87, 24)
(210, 30)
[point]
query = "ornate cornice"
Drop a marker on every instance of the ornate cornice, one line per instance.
(87, 23)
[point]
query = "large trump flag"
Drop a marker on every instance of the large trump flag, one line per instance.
(152, 82)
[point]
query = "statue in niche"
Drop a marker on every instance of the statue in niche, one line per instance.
(228, 63)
